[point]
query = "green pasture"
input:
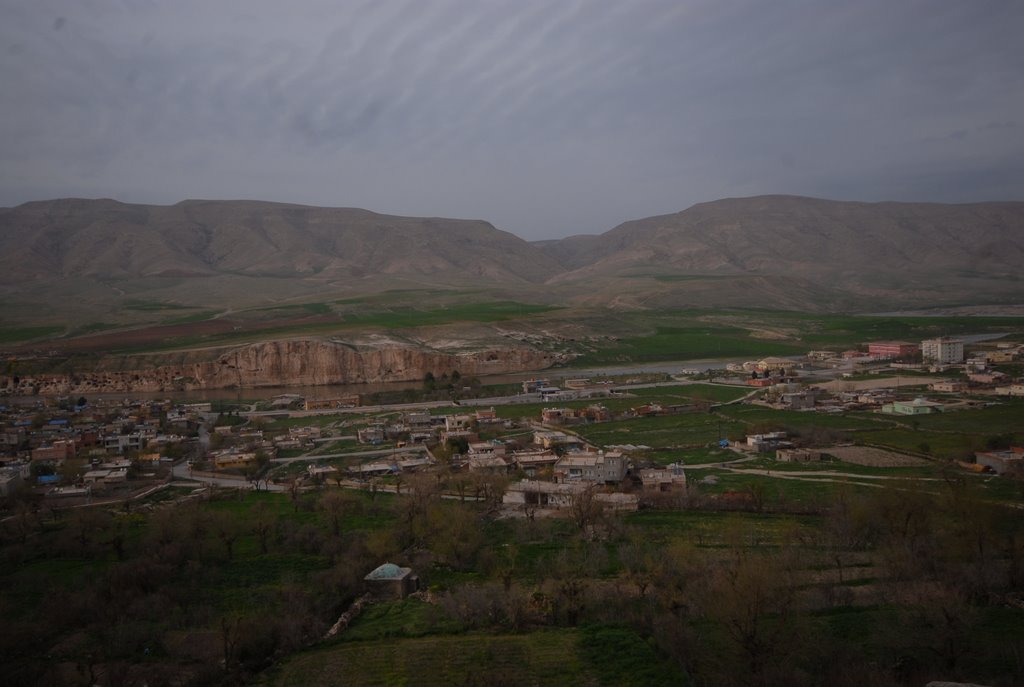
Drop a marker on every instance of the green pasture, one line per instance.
(394, 318)
(696, 342)
(563, 656)
(760, 417)
(811, 493)
(661, 431)
(405, 317)
(9, 335)
(154, 306)
(713, 528)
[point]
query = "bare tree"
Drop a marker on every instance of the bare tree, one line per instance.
(263, 520)
(584, 508)
(226, 528)
(335, 505)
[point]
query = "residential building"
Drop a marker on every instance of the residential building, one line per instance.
(764, 443)
(457, 422)
(1016, 389)
(487, 415)
(885, 350)
(950, 386)
(667, 479)
(781, 364)
(57, 451)
(797, 455)
(601, 467)
(488, 462)
(549, 439)
(944, 350)
(532, 461)
(986, 378)
(919, 406)
(233, 459)
(374, 434)
(560, 495)
(1002, 462)
(799, 400)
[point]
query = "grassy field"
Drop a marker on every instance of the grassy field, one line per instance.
(569, 657)
(355, 319)
(665, 431)
(683, 394)
(687, 343)
(10, 335)
(718, 334)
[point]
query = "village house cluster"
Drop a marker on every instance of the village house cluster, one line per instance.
(70, 448)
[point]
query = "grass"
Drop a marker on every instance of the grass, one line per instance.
(683, 394)
(405, 618)
(92, 328)
(200, 316)
(395, 318)
(566, 657)
(811, 493)
(758, 415)
(717, 334)
(154, 306)
(404, 317)
(687, 343)
(714, 529)
(18, 334)
(279, 423)
(933, 470)
(664, 431)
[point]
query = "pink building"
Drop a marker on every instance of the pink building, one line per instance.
(892, 349)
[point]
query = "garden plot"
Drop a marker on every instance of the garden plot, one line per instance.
(874, 457)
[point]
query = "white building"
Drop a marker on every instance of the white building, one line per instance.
(943, 350)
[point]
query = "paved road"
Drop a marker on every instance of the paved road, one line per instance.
(182, 472)
(357, 454)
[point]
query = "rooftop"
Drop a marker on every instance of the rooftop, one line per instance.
(388, 571)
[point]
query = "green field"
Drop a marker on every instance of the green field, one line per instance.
(18, 334)
(687, 343)
(591, 656)
(358, 319)
(754, 333)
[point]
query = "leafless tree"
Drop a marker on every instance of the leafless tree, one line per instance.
(584, 508)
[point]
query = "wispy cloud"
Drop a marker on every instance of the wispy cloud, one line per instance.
(547, 118)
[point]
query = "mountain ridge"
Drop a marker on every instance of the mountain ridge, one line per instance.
(765, 251)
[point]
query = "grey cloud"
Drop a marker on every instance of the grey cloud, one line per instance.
(545, 118)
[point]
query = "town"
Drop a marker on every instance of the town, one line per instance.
(773, 501)
(537, 447)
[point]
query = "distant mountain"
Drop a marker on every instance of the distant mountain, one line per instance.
(911, 252)
(107, 239)
(94, 264)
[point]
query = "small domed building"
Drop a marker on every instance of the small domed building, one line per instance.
(392, 581)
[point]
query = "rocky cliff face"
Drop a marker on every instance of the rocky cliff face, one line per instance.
(302, 362)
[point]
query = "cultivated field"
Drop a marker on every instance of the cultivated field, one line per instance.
(875, 457)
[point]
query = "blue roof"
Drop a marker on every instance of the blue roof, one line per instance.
(57, 422)
(47, 479)
(388, 571)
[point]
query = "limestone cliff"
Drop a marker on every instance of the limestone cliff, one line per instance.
(298, 362)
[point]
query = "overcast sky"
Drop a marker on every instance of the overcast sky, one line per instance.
(545, 117)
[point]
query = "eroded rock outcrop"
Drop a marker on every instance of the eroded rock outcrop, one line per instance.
(296, 362)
